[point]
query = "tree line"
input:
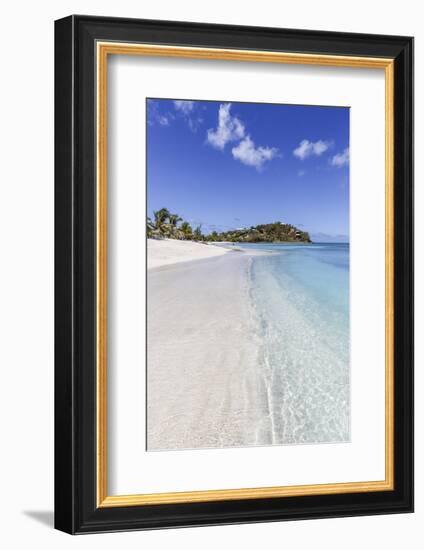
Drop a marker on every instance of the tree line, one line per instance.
(172, 226)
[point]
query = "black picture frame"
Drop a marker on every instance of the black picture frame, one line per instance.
(76, 510)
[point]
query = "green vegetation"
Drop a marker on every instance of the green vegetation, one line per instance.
(276, 232)
(171, 226)
(166, 225)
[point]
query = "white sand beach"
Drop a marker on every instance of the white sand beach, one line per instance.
(240, 353)
(170, 251)
(204, 389)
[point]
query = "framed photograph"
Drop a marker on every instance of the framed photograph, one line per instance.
(234, 234)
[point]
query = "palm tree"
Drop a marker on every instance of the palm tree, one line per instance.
(160, 217)
(150, 227)
(186, 230)
(198, 233)
(174, 219)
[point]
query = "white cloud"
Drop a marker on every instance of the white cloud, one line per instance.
(194, 123)
(189, 112)
(154, 116)
(184, 106)
(341, 159)
(229, 128)
(163, 120)
(247, 153)
(307, 148)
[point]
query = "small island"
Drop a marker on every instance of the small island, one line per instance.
(172, 226)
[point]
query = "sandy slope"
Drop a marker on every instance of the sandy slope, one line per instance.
(170, 251)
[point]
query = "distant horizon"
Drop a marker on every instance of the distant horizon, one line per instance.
(231, 165)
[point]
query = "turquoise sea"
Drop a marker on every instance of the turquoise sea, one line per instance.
(300, 302)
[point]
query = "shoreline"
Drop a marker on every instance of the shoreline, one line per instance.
(235, 361)
(165, 253)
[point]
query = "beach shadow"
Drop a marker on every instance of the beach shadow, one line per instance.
(46, 517)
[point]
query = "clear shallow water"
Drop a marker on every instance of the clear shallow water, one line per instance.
(300, 304)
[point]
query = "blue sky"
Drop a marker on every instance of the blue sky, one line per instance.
(228, 165)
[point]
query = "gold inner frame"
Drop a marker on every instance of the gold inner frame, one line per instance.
(104, 49)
